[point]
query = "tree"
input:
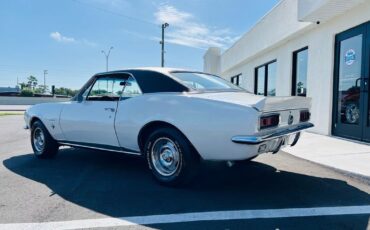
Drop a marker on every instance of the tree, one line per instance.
(32, 82)
(27, 92)
(41, 89)
(65, 91)
(23, 85)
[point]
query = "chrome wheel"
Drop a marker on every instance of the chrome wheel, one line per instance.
(352, 113)
(165, 156)
(38, 140)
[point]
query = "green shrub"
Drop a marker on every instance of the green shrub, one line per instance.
(27, 93)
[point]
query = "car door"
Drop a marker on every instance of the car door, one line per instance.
(90, 120)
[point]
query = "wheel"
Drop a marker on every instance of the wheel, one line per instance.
(171, 158)
(43, 145)
(352, 113)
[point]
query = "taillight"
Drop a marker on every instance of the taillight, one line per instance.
(269, 121)
(304, 116)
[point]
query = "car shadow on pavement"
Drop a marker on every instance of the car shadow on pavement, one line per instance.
(118, 185)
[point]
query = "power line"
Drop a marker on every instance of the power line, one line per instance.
(115, 13)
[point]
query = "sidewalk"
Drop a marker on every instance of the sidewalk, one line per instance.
(14, 107)
(349, 156)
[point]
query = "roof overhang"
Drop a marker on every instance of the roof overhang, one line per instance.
(323, 10)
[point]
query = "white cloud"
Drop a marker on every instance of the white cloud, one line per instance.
(187, 31)
(113, 4)
(60, 38)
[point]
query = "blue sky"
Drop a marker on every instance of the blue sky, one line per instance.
(66, 37)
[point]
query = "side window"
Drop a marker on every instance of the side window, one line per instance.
(131, 89)
(84, 95)
(106, 89)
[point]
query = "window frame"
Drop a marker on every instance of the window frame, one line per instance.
(121, 75)
(237, 78)
(265, 65)
(294, 70)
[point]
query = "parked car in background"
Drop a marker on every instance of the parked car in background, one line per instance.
(173, 118)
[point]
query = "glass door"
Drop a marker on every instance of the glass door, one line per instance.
(351, 99)
(366, 87)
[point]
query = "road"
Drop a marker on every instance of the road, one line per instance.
(85, 188)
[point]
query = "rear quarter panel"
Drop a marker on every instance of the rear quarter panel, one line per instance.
(208, 124)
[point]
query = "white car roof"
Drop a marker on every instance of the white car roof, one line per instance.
(163, 70)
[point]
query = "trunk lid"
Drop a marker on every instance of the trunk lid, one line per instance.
(261, 103)
(269, 104)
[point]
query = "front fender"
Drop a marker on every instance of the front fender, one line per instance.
(48, 114)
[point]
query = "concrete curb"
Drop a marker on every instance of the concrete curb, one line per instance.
(356, 176)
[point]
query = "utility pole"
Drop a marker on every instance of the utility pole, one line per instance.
(164, 26)
(106, 54)
(45, 72)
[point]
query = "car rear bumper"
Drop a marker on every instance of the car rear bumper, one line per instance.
(255, 140)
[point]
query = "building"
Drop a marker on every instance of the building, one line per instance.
(9, 90)
(314, 48)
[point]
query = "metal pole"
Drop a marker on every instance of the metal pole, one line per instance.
(45, 72)
(107, 57)
(164, 25)
(106, 65)
(162, 44)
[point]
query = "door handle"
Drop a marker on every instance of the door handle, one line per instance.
(109, 109)
(366, 85)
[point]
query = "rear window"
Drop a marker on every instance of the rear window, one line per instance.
(204, 82)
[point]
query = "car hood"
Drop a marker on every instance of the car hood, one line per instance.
(258, 102)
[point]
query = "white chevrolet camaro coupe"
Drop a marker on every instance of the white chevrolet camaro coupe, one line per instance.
(174, 118)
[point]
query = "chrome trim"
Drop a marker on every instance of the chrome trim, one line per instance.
(97, 148)
(254, 140)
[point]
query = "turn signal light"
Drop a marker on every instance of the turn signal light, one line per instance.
(304, 116)
(269, 121)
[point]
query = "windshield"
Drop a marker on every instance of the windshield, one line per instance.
(204, 82)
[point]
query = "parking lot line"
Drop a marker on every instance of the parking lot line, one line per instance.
(194, 216)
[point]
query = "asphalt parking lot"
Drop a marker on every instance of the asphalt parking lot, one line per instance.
(88, 188)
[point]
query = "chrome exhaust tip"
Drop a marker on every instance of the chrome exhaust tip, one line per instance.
(296, 138)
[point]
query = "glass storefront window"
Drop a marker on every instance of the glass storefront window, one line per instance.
(260, 84)
(271, 79)
(265, 79)
(300, 62)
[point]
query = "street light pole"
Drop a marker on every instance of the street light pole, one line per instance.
(164, 26)
(45, 72)
(106, 54)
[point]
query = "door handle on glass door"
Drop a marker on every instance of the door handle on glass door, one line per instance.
(366, 82)
(109, 109)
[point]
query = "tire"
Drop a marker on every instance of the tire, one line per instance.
(43, 145)
(172, 160)
(352, 113)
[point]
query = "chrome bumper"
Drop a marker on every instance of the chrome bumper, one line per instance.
(254, 140)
